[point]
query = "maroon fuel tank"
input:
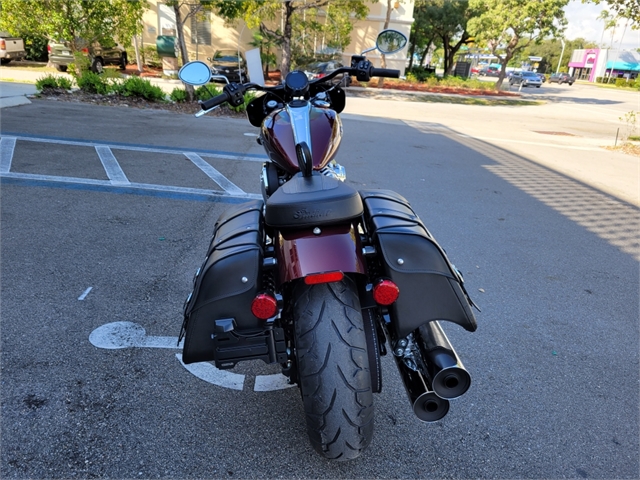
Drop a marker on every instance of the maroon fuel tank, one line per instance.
(335, 248)
(277, 138)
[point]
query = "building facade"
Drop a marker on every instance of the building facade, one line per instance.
(589, 64)
(208, 33)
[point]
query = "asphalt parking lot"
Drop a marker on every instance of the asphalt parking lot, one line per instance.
(105, 215)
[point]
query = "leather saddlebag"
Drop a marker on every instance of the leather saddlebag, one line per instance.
(227, 282)
(430, 286)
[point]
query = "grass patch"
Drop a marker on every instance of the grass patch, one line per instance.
(634, 138)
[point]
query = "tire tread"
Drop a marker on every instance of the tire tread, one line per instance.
(336, 387)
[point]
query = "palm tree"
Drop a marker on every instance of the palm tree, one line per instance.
(610, 22)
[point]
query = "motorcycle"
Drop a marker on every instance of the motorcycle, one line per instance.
(318, 276)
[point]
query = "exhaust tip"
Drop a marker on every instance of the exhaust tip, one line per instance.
(429, 407)
(451, 382)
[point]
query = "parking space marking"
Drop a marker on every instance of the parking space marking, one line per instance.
(7, 146)
(111, 166)
(118, 181)
(177, 193)
(85, 293)
(137, 148)
(214, 174)
(118, 335)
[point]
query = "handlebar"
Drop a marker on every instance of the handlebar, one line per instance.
(214, 101)
(233, 92)
(385, 72)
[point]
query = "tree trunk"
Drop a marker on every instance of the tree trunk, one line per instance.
(383, 60)
(447, 50)
(412, 51)
(425, 52)
(183, 49)
(285, 63)
(138, 57)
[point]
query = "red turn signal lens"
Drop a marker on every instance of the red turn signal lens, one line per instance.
(323, 278)
(264, 306)
(385, 292)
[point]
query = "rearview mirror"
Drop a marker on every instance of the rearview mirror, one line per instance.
(390, 41)
(195, 73)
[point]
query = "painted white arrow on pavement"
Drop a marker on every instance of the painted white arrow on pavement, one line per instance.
(118, 335)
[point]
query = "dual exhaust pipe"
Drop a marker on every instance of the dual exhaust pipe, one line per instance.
(443, 377)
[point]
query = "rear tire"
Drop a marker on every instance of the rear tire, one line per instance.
(333, 368)
(61, 68)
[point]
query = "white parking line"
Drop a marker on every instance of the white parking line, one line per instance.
(214, 174)
(85, 293)
(118, 335)
(111, 166)
(139, 187)
(7, 146)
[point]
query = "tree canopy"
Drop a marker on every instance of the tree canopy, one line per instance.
(74, 20)
(512, 25)
(624, 8)
(297, 18)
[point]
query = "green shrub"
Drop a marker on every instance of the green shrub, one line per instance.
(138, 87)
(621, 82)
(53, 82)
(150, 57)
(81, 63)
(48, 81)
(64, 82)
(35, 48)
(420, 74)
(598, 79)
(93, 83)
(178, 95)
(205, 92)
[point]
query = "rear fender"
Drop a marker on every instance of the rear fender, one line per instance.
(330, 248)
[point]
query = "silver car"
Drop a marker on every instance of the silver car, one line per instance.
(526, 79)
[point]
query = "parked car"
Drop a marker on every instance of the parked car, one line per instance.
(11, 48)
(99, 54)
(230, 64)
(526, 79)
(320, 69)
(489, 72)
(561, 78)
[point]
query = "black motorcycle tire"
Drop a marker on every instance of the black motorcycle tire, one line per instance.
(333, 368)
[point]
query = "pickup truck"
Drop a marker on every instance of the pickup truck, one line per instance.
(11, 48)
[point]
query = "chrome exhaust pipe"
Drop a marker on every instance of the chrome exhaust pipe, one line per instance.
(427, 406)
(449, 377)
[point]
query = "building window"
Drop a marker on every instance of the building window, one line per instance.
(200, 29)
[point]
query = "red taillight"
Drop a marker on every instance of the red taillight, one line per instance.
(48, 48)
(264, 306)
(320, 75)
(385, 292)
(85, 51)
(325, 277)
(3, 45)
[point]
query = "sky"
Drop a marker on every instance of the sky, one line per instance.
(584, 23)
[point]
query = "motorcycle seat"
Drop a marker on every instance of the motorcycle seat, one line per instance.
(313, 201)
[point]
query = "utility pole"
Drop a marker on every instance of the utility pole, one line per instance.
(561, 54)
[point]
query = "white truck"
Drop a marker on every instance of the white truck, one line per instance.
(11, 48)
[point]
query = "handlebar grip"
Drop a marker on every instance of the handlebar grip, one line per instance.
(385, 72)
(214, 101)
